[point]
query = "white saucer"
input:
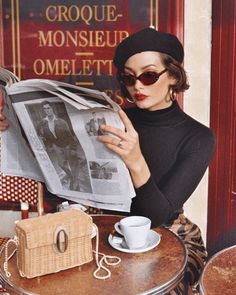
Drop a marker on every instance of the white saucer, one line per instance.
(153, 240)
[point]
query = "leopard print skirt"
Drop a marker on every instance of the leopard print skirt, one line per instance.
(190, 234)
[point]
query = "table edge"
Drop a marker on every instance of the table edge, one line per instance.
(201, 285)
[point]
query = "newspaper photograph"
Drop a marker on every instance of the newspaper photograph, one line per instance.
(61, 124)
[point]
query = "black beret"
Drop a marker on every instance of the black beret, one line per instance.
(148, 40)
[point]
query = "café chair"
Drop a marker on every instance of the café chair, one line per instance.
(15, 190)
(219, 274)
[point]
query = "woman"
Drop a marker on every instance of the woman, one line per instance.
(165, 150)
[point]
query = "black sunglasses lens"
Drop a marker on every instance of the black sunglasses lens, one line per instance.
(128, 80)
(148, 78)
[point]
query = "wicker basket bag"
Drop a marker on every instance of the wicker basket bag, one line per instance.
(55, 242)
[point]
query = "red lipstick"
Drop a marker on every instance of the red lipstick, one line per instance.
(140, 96)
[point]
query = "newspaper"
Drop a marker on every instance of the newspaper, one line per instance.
(53, 139)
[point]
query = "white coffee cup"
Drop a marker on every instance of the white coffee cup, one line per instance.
(135, 230)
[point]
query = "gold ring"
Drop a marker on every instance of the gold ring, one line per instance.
(119, 144)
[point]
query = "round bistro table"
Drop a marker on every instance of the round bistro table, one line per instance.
(219, 274)
(156, 271)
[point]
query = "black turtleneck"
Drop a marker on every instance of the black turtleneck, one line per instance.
(177, 150)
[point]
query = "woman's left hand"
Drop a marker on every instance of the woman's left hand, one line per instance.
(3, 121)
(125, 143)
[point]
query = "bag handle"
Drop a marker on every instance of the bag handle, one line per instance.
(6, 257)
(105, 259)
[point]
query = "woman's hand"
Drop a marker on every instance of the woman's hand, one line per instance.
(3, 121)
(126, 145)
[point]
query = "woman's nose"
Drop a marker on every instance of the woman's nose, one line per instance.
(138, 84)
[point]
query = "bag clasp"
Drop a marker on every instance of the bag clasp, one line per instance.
(61, 239)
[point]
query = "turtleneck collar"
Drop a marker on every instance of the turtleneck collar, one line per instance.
(166, 117)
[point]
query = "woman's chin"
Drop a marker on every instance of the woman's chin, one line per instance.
(142, 104)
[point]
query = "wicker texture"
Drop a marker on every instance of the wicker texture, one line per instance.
(37, 252)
